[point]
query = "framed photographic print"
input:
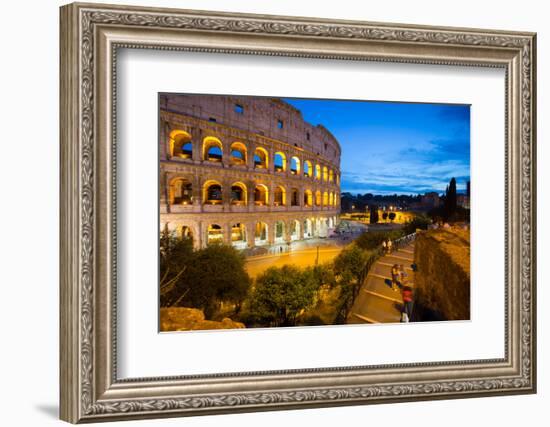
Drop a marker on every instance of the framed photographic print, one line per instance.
(267, 212)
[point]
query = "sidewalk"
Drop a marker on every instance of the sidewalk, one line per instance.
(376, 301)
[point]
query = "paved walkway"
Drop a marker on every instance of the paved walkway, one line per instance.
(377, 302)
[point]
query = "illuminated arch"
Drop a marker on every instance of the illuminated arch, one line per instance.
(317, 171)
(212, 149)
(239, 194)
(325, 173)
(260, 158)
(180, 144)
(294, 197)
(331, 199)
(295, 228)
(214, 234)
(331, 175)
(261, 195)
(308, 169)
(181, 192)
(238, 234)
(279, 196)
(325, 198)
(260, 233)
(186, 232)
(279, 231)
(294, 165)
(279, 161)
(212, 193)
(237, 153)
(317, 198)
(308, 198)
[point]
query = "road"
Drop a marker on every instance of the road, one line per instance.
(303, 258)
(377, 302)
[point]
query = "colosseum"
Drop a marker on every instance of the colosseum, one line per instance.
(246, 171)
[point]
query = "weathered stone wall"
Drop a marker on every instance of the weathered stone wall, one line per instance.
(302, 199)
(442, 282)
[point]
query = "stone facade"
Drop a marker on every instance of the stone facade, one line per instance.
(247, 171)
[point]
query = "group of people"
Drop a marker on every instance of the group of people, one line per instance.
(387, 246)
(399, 279)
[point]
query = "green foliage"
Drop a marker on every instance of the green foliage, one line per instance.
(174, 256)
(351, 267)
(280, 295)
(391, 216)
(384, 216)
(373, 239)
(350, 263)
(215, 274)
(200, 279)
(418, 222)
(373, 211)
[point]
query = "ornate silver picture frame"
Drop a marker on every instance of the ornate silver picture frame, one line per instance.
(91, 35)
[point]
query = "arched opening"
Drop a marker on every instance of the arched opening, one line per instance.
(294, 165)
(317, 172)
(237, 154)
(181, 192)
(180, 144)
(325, 198)
(260, 158)
(186, 232)
(295, 230)
(214, 234)
(212, 193)
(308, 198)
(294, 197)
(238, 194)
(331, 199)
(260, 234)
(261, 195)
(317, 198)
(279, 196)
(238, 235)
(279, 232)
(212, 149)
(279, 161)
(308, 229)
(331, 175)
(325, 173)
(308, 171)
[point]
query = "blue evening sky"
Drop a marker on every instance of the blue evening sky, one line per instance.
(392, 147)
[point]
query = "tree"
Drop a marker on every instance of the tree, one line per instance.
(391, 216)
(418, 222)
(373, 214)
(280, 295)
(175, 253)
(214, 275)
(450, 200)
(384, 216)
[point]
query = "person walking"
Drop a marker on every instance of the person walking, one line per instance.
(407, 295)
(384, 247)
(395, 277)
(389, 246)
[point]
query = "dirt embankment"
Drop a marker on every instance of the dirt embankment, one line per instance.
(442, 282)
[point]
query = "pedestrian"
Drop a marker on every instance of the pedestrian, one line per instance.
(394, 277)
(389, 246)
(407, 296)
(384, 246)
(402, 275)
